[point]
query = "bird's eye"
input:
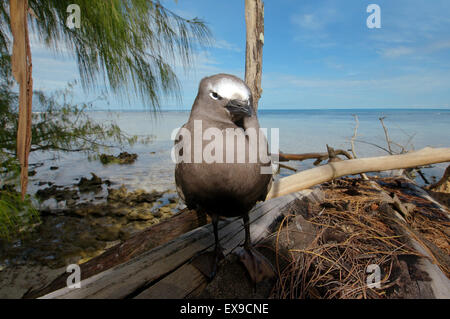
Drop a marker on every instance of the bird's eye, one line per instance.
(214, 96)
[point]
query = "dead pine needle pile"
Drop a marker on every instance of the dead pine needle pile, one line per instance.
(354, 232)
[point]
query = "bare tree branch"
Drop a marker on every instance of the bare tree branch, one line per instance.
(284, 157)
(388, 141)
(355, 132)
(324, 173)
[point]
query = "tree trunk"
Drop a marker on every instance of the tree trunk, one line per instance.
(22, 70)
(254, 19)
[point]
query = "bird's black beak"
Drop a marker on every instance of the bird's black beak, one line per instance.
(239, 108)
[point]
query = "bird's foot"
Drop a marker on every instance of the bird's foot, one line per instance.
(207, 262)
(258, 267)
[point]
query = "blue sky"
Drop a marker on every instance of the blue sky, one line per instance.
(317, 54)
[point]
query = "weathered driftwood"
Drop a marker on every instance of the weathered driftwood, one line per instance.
(254, 19)
(150, 238)
(333, 170)
(163, 266)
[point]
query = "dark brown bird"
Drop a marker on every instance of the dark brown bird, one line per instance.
(216, 173)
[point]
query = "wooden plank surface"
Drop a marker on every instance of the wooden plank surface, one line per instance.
(175, 284)
(172, 258)
(150, 238)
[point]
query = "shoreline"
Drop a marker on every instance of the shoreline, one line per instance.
(89, 217)
(109, 219)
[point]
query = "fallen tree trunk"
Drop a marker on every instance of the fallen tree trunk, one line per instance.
(334, 170)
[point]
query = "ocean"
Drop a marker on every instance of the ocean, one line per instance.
(300, 131)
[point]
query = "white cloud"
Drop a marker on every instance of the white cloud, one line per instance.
(333, 63)
(308, 21)
(311, 26)
(439, 45)
(417, 51)
(413, 28)
(396, 52)
(223, 44)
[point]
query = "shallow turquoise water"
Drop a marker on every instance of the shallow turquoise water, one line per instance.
(301, 131)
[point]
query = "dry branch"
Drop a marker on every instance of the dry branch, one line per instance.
(388, 140)
(319, 157)
(287, 167)
(352, 141)
(442, 182)
(355, 133)
(334, 170)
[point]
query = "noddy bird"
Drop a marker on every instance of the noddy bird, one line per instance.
(227, 186)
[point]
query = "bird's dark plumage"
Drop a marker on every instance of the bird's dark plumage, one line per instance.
(219, 188)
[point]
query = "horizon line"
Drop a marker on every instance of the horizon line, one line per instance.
(281, 109)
